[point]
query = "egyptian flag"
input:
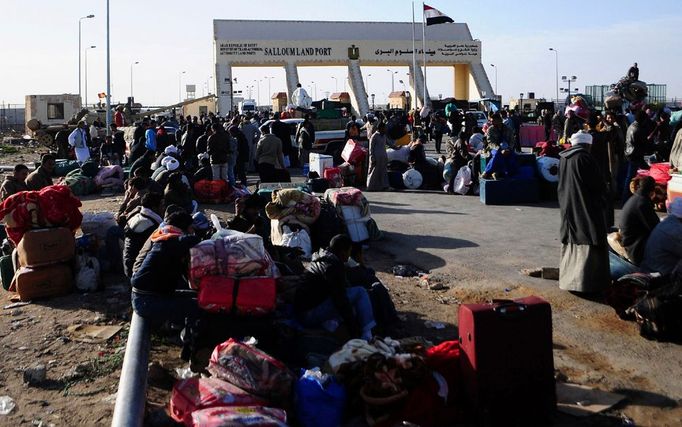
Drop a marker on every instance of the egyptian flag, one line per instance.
(435, 16)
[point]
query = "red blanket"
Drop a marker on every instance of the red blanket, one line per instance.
(53, 206)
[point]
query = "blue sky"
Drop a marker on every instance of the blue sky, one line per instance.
(597, 41)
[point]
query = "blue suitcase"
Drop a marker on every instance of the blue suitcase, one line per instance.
(509, 191)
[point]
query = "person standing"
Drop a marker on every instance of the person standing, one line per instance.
(219, 151)
(14, 183)
(269, 156)
(150, 137)
(305, 137)
(281, 131)
(377, 177)
(78, 139)
(119, 120)
(582, 203)
(438, 128)
(547, 124)
(62, 141)
(242, 154)
(635, 148)
(249, 128)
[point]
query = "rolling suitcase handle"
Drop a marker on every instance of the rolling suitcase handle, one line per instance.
(509, 308)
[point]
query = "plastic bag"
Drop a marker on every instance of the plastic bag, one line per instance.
(320, 400)
(88, 278)
(462, 180)
(297, 239)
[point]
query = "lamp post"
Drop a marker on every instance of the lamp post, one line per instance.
(79, 51)
(180, 85)
(131, 76)
(569, 80)
(86, 73)
(315, 89)
(336, 84)
(521, 103)
(258, 92)
(556, 65)
(367, 82)
(393, 73)
(495, 67)
(269, 90)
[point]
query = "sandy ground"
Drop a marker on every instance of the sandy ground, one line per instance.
(476, 251)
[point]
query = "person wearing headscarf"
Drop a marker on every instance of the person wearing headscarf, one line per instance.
(664, 247)
(582, 204)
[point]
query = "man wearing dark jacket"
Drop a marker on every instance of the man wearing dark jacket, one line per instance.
(242, 153)
(582, 204)
(141, 224)
(638, 220)
(635, 148)
(219, 151)
(159, 283)
(325, 297)
(14, 183)
(281, 131)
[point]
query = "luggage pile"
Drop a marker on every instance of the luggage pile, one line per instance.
(234, 274)
(89, 177)
(354, 168)
(500, 372)
(292, 212)
(353, 209)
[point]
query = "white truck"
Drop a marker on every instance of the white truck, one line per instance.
(247, 106)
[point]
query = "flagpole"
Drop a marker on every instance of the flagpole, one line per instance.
(414, 59)
(424, 50)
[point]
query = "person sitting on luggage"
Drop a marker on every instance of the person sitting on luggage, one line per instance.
(14, 183)
(638, 220)
(458, 153)
(160, 289)
(664, 248)
(178, 193)
(142, 223)
(41, 177)
(431, 175)
(205, 171)
(500, 144)
(248, 218)
(324, 297)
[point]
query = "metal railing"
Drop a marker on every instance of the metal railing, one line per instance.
(132, 387)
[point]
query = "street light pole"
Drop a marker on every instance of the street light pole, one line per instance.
(79, 52)
(131, 77)
(180, 85)
(86, 74)
(493, 65)
(108, 74)
(367, 82)
(556, 64)
(258, 83)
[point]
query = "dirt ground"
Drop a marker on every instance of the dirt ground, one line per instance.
(82, 377)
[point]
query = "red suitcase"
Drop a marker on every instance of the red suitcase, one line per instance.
(193, 394)
(507, 362)
(252, 296)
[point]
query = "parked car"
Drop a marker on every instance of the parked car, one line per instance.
(481, 118)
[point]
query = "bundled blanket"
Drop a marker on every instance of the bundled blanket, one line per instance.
(291, 202)
(53, 206)
(347, 196)
(110, 176)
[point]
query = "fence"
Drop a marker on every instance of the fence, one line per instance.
(12, 117)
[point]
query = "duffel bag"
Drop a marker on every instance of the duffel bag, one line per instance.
(64, 166)
(90, 168)
(353, 153)
(252, 296)
(629, 289)
(251, 370)
(79, 183)
(193, 394)
(320, 400)
(215, 191)
(46, 246)
(238, 416)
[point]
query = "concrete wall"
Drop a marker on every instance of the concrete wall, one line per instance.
(37, 107)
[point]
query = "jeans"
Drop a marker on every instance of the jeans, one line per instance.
(620, 267)
(438, 137)
(220, 171)
(173, 308)
(500, 164)
(359, 301)
(231, 163)
(240, 171)
(113, 249)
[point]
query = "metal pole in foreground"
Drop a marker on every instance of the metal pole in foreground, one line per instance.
(108, 75)
(132, 387)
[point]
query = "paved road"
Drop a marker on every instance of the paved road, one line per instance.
(484, 247)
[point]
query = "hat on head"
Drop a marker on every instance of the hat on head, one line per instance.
(676, 208)
(171, 149)
(581, 137)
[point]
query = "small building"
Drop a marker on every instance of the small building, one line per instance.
(342, 97)
(52, 109)
(199, 107)
(529, 104)
(279, 102)
(399, 100)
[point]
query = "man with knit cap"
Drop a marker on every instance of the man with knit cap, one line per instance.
(582, 202)
(664, 248)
